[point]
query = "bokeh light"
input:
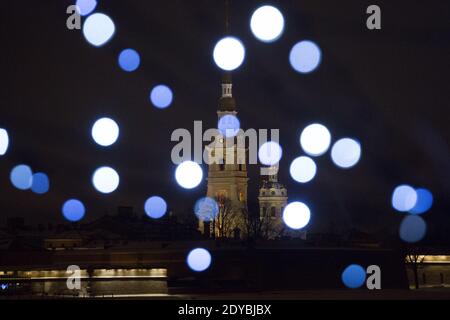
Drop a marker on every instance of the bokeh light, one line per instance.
(305, 56)
(404, 198)
(85, 7)
(98, 29)
(161, 96)
(4, 141)
(303, 169)
(40, 183)
(73, 210)
(346, 153)
(21, 177)
(129, 60)
(353, 276)
(105, 132)
(105, 179)
(229, 125)
(155, 207)
(412, 228)
(270, 153)
(206, 209)
(199, 259)
(296, 215)
(189, 174)
(315, 139)
(424, 201)
(267, 23)
(229, 53)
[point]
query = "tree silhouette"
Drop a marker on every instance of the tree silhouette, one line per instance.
(223, 224)
(252, 224)
(414, 261)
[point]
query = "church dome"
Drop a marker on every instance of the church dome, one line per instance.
(272, 188)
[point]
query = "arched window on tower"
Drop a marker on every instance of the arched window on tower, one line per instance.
(264, 212)
(273, 212)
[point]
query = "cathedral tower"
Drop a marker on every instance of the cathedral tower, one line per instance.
(227, 173)
(227, 168)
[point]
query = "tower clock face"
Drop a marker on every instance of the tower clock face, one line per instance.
(221, 140)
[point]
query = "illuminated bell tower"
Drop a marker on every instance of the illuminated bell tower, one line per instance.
(227, 173)
(227, 168)
(272, 200)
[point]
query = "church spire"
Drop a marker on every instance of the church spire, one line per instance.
(227, 17)
(226, 101)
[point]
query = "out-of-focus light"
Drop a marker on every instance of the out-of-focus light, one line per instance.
(303, 169)
(404, 198)
(129, 60)
(412, 228)
(73, 210)
(199, 259)
(229, 53)
(305, 56)
(267, 23)
(40, 183)
(189, 174)
(105, 131)
(155, 207)
(353, 276)
(4, 141)
(346, 153)
(161, 96)
(98, 29)
(424, 201)
(296, 215)
(85, 7)
(270, 153)
(105, 179)
(229, 125)
(315, 139)
(21, 177)
(206, 209)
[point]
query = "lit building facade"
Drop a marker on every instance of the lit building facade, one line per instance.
(272, 200)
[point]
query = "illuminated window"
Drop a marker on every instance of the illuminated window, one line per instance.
(221, 194)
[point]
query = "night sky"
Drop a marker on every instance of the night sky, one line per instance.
(387, 88)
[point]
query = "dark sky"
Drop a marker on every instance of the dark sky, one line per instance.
(388, 88)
